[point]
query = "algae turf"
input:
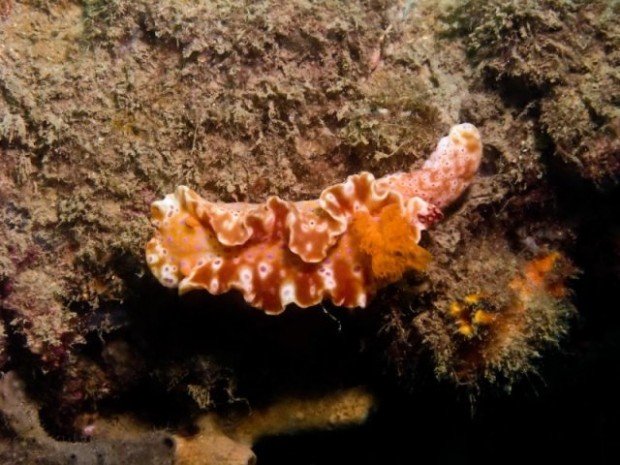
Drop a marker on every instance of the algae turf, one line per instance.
(560, 57)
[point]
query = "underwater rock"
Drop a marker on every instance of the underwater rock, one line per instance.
(21, 416)
(221, 441)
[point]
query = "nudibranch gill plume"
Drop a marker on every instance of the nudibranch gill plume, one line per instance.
(358, 236)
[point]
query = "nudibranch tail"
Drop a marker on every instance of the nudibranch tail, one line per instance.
(357, 236)
(449, 170)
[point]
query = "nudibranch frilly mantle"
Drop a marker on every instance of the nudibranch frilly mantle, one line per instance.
(355, 238)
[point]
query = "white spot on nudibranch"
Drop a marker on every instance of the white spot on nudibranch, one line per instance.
(168, 276)
(246, 275)
(217, 264)
(349, 188)
(329, 282)
(287, 293)
(263, 270)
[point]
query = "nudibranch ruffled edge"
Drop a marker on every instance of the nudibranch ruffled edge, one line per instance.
(358, 236)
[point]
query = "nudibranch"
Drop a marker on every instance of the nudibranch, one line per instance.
(358, 236)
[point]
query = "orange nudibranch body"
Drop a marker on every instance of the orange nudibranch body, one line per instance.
(356, 237)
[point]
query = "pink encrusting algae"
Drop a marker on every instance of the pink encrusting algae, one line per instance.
(358, 236)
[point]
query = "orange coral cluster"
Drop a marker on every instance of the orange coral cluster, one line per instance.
(502, 334)
(543, 276)
(538, 276)
(359, 235)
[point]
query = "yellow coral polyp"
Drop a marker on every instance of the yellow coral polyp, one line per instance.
(472, 298)
(389, 241)
(470, 314)
(466, 330)
(482, 318)
(455, 309)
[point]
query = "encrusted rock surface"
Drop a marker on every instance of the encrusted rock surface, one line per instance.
(106, 106)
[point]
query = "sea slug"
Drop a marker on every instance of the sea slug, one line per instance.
(358, 236)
